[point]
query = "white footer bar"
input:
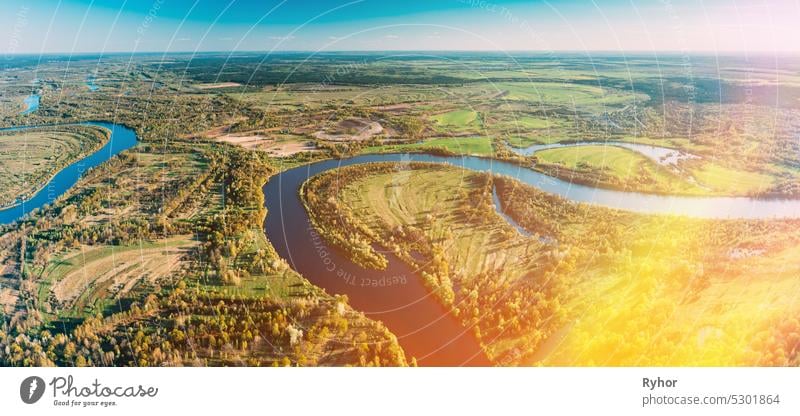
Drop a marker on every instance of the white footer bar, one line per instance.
(410, 391)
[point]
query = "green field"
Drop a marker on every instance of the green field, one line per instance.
(615, 160)
(614, 166)
(527, 122)
(525, 130)
(589, 98)
(481, 146)
(456, 119)
(731, 181)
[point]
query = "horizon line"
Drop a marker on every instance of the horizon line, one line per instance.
(368, 51)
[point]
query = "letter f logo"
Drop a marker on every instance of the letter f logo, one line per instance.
(31, 389)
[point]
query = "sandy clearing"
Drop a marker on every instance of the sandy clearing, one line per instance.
(109, 213)
(8, 298)
(278, 148)
(121, 271)
(217, 85)
(288, 148)
(242, 140)
(393, 107)
(8, 268)
(212, 132)
(364, 131)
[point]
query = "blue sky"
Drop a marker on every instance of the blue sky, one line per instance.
(74, 26)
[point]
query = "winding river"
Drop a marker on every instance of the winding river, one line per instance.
(425, 329)
(398, 298)
(395, 296)
(122, 138)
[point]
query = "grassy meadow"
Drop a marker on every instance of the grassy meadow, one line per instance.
(614, 166)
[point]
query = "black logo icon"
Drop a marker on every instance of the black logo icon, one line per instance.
(31, 389)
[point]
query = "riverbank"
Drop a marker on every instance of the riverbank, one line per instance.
(444, 223)
(296, 239)
(428, 331)
(710, 207)
(8, 201)
(647, 168)
(591, 256)
(120, 139)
